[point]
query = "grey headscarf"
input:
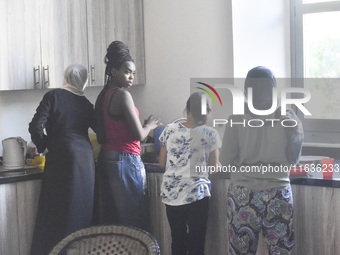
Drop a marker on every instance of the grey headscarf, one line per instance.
(75, 79)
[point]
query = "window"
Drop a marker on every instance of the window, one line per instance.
(316, 65)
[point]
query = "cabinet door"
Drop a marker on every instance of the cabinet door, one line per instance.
(63, 38)
(9, 229)
(18, 209)
(97, 41)
(112, 20)
(27, 205)
(19, 44)
(159, 226)
(129, 27)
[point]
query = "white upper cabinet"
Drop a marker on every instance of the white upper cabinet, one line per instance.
(63, 38)
(19, 43)
(40, 38)
(110, 20)
(97, 42)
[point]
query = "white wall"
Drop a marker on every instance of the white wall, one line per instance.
(16, 111)
(261, 35)
(183, 40)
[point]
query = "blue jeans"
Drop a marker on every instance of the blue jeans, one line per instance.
(121, 181)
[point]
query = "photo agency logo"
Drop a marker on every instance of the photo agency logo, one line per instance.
(204, 98)
(239, 100)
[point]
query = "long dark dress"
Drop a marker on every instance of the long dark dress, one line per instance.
(67, 191)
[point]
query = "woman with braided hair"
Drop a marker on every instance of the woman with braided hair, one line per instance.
(121, 173)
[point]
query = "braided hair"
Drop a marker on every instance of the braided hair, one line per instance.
(117, 54)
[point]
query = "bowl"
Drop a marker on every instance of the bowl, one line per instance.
(38, 161)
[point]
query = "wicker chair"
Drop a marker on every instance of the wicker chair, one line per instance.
(112, 239)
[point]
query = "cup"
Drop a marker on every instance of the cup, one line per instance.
(327, 165)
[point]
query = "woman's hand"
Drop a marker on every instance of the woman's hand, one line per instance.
(151, 122)
(124, 101)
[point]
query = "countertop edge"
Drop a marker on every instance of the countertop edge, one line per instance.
(294, 180)
(154, 168)
(308, 181)
(20, 178)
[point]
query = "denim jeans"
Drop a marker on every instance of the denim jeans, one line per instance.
(121, 181)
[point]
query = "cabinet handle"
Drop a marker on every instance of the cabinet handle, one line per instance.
(46, 77)
(36, 77)
(93, 74)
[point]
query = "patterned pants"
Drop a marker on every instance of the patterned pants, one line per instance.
(251, 211)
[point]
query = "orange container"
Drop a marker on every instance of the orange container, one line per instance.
(327, 165)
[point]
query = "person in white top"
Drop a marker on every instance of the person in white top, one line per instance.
(185, 148)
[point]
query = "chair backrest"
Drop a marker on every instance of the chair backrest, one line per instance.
(111, 239)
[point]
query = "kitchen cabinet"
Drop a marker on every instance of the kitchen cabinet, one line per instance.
(114, 20)
(19, 44)
(63, 38)
(216, 238)
(159, 226)
(18, 209)
(316, 219)
(40, 38)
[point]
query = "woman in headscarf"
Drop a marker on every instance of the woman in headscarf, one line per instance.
(67, 190)
(260, 196)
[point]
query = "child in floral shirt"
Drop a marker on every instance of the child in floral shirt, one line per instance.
(186, 149)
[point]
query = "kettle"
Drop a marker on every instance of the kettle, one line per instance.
(14, 152)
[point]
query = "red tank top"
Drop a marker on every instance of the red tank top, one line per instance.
(117, 131)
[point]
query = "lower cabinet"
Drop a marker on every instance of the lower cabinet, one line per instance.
(159, 226)
(217, 234)
(18, 208)
(216, 239)
(316, 219)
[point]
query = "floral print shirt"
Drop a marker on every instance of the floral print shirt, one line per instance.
(186, 177)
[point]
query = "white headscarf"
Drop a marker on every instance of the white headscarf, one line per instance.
(75, 79)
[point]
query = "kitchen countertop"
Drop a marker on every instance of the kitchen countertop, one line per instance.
(312, 179)
(316, 178)
(22, 174)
